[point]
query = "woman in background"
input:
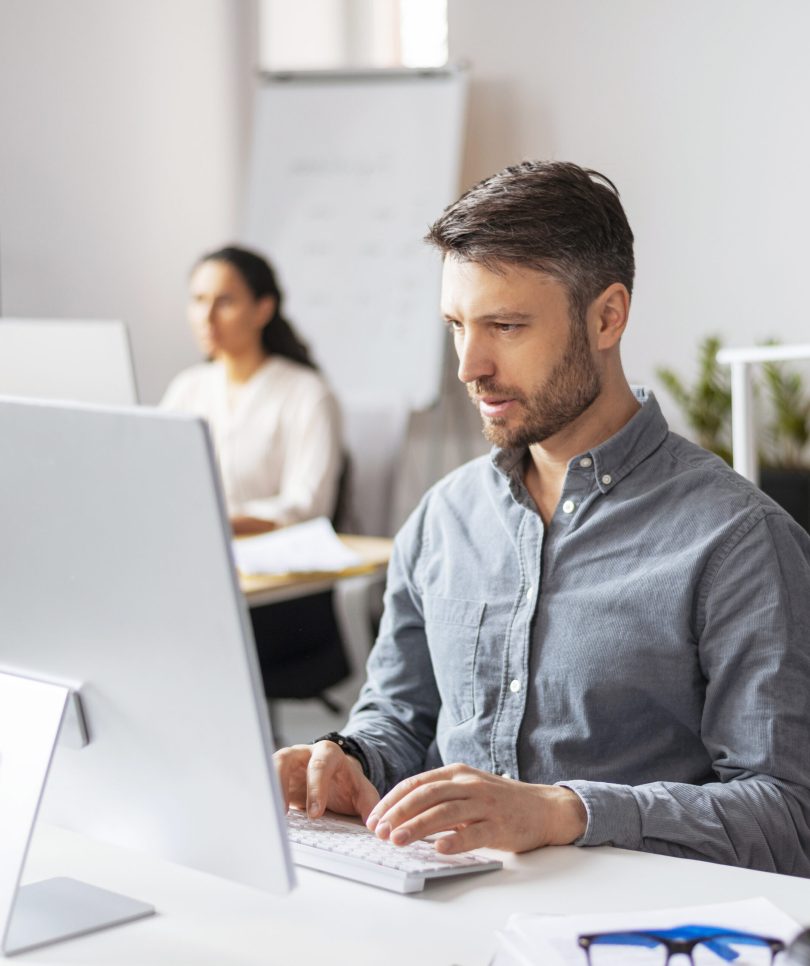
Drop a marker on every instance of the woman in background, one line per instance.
(274, 421)
(276, 431)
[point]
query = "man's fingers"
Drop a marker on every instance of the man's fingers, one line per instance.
(288, 761)
(411, 798)
(365, 798)
(473, 836)
(397, 793)
(459, 776)
(442, 817)
(324, 761)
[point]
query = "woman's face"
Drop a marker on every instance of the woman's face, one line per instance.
(225, 317)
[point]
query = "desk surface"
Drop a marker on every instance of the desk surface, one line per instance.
(264, 589)
(328, 921)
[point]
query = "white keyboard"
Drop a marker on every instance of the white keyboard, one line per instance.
(344, 846)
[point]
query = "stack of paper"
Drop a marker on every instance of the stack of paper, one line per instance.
(552, 940)
(311, 547)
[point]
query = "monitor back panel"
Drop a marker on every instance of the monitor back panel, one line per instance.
(71, 359)
(116, 578)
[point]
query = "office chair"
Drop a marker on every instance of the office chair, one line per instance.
(299, 643)
(300, 648)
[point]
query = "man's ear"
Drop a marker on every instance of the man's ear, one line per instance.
(608, 314)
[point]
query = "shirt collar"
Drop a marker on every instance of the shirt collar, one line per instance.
(612, 460)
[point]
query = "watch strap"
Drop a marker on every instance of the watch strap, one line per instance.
(349, 746)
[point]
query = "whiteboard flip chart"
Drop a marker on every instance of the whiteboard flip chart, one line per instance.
(348, 171)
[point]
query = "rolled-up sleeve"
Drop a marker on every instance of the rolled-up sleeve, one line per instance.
(753, 608)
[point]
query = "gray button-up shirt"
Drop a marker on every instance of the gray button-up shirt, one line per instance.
(650, 648)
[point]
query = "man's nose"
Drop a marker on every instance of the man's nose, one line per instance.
(474, 361)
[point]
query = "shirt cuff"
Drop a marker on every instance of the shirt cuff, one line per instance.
(613, 815)
(374, 761)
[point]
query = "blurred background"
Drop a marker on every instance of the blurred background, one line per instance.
(126, 131)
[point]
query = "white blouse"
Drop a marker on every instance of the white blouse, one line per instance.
(277, 437)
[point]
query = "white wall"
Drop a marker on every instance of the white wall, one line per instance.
(124, 128)
(123, 133)
(699, 113)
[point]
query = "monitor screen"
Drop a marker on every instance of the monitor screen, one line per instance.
(82, 360)
(116, 579)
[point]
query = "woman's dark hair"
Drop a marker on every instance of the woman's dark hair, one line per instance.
(278, 336)
(553, 216)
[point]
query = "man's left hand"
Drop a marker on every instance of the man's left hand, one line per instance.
(478, 810)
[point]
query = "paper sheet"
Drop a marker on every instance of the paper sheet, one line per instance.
(311, 547)
(552, 940)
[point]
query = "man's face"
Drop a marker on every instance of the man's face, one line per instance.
(527, 365)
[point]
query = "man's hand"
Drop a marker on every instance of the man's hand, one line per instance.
(478, 810)
(320, 777)
(250, 526)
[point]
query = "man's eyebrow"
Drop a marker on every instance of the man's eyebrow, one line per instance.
(503, 315)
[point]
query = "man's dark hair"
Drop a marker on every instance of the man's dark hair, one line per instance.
(551, 216)
(278, 336)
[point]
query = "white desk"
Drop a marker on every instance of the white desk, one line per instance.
(328, 921)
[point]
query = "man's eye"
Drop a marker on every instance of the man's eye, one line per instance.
(453, 325)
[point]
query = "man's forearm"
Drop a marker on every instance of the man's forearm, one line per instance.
(754, 823)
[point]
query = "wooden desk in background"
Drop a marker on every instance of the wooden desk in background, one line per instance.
(270, 589)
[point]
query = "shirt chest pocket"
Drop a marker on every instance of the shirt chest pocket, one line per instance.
(452, 627)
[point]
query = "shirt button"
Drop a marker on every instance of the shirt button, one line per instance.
(585, 462)
(505, 774)
(529, 593)
(514, 686)
(568, 506)
(607, 479)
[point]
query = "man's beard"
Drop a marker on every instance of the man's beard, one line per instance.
(572, 386)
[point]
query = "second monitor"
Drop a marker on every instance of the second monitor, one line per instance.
(81, 360)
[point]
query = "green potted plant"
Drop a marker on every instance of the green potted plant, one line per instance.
(785, 435)
(784, 474)
(706, 405)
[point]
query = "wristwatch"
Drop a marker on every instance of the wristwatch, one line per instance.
(349, 746)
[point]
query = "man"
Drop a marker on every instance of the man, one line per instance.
(601, 633)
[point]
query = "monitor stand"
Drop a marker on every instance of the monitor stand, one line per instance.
(31, 714)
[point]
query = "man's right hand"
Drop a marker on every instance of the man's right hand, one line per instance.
(320, 777)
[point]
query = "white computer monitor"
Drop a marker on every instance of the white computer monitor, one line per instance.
(116, 579)
(75, 359)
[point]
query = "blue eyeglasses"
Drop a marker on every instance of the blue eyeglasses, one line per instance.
(701, 945)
